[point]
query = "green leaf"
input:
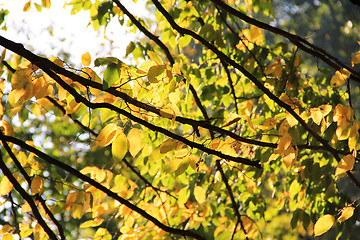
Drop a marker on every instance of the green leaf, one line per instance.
(111, 75)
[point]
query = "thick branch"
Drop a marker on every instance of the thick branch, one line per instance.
(295, 39)
(252, 78)
(97, 185)
(28, 179)
(6, 171)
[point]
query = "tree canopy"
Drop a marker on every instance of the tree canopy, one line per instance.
(224, 120)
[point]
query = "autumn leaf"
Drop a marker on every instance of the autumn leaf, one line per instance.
(168, 145)
(86, 59)
(119, 147)
(345, 164)
(323, 224)
(200, 194)
(355, 59)
(134, 141)
(37, 185)
(346, 213)
(339, 78)
(5, 186)
(107, 135)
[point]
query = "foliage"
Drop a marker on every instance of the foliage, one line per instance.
(213, 132)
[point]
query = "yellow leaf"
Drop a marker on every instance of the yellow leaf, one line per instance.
(5, 229)
(354, 136)
(27, 6)
(46, 3)
(200, 194)
(119, 147)
(339, 78)
(323, 224)
(297, 61)
(325, 109)
(268, 124)
(346, 213)
(92, 223)
(291, 119)
(134, 141)
(5, 186)
(345, 164)
(26, 207)
(72, 106)
(7, 236)
(316, 115)
(144, 68)
(21, 78)
(107, 135)
(284, 143)
(154, 72)
(355, 59)
(231, 119)
(155, 57)
(289, 157)
(86, 59)
(168, 145)
(167, 113)
(37, 185)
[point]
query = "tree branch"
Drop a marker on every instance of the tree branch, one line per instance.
(97, 185)
(26, 197)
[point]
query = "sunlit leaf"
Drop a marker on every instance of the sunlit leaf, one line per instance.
(134, 141)
(345, 164)
(200, 194)
(355, 59)
(102, 234)
(37, 185)
(346, 213)
(92, 223)
(5, 186)
(119, 147)
(316, 115)
(27, 6)
(111, 75)
(107, 135)
(86, 59)
(323, 224)
(5, 229)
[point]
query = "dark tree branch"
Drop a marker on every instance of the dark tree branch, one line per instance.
(6, 171)
(97, 185)
(252, 78)
(28, 179)
(168, 55)
(301, 43)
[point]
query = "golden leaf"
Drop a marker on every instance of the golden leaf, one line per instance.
(339, 78)
(316, 115)
(119, 147)
(291, 119)
(27, 6)
(345, 164)
(346, 213)
(6, 228)
(323, 224)
(37, 185)
(354, 136)
(325, 109)
(355, 59)
(107, 135)
(200, 194)
(284, 143)
(145, 66)
(5, 186)
(231, 119)
(86, 59)
(168, 145)
(134, 141)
